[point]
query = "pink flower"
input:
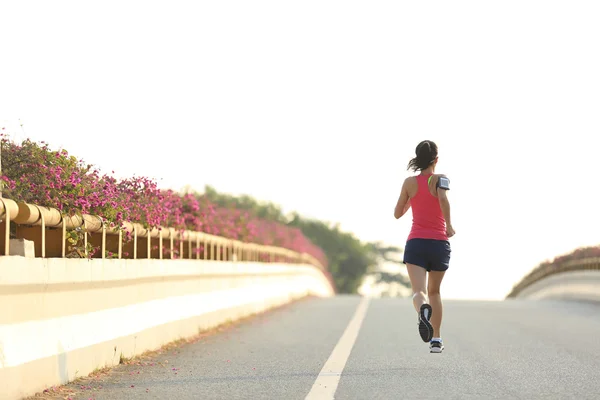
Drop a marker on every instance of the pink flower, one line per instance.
(37, 175)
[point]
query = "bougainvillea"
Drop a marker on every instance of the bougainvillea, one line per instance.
(36, 174)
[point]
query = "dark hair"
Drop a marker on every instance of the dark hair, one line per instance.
(426, 152)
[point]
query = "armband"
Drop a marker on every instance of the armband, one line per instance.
(443, 183)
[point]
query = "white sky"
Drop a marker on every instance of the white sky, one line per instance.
(318, 106)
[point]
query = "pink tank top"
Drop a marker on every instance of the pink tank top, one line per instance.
(428, 220)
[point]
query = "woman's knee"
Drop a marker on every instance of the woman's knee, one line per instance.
(435, 282)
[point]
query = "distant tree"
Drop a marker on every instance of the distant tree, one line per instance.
(386, 253)
(349, 258)
(388, 277)
(265, 210)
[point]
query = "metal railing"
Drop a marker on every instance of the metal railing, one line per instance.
(583, 264)
(48, 228)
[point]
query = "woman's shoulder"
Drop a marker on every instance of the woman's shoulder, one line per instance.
(411, 181)
(411, 186)
(433, 181)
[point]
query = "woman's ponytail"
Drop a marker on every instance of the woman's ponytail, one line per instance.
(426, 153)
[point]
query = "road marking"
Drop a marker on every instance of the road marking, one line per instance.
(327, 382)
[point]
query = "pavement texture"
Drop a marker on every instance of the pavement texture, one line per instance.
(514, 349)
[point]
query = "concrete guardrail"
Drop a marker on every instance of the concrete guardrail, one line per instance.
(575, 285)
(572, 280)
(64, 318)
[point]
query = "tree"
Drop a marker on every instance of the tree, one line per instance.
(386, 253)
(349, 258)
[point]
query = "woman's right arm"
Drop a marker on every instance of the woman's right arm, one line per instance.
(403, 203)
(445, 205)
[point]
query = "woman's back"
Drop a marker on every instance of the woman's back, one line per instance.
(428, 219)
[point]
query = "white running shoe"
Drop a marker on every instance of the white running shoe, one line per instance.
(436, 346)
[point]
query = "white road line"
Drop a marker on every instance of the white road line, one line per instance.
(327, 382)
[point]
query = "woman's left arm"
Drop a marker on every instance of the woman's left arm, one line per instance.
(403, 203)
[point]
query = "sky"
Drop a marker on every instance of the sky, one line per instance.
(318, 107)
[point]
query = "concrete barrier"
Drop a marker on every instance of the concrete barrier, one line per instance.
(64, 318)
(572, 285)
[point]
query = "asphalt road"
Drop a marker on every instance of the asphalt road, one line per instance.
(493, 350)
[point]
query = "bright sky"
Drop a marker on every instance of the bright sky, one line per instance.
(318, 106)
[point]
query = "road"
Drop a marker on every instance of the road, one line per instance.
(494, 350)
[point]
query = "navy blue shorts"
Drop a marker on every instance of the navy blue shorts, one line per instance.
(431, 254)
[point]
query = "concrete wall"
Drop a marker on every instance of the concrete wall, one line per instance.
(64, 318)
(575, 285)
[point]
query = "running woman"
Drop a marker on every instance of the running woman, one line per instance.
(427, 247)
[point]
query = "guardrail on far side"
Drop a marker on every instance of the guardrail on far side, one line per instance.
(574, 279)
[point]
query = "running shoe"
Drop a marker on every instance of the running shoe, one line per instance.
(425, 328)
(436, 346)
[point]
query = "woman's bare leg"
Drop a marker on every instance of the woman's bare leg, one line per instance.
(435, 300)
(418, 281)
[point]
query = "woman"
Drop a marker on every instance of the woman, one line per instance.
(427, 247)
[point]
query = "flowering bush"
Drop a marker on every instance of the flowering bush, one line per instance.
(34, 173)
(195, 212)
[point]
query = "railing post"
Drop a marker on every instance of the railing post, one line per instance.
(64, 236)
(149, 243)
(134, 242)
(7, 228)
(197, 247)
(120, 250)
(103, 238)
(43, 232)
(172, 244)
(160, 243)
(85, 236)
(181, 239)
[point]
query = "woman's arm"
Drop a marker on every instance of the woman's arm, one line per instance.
(403, 203)
(445, 205)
